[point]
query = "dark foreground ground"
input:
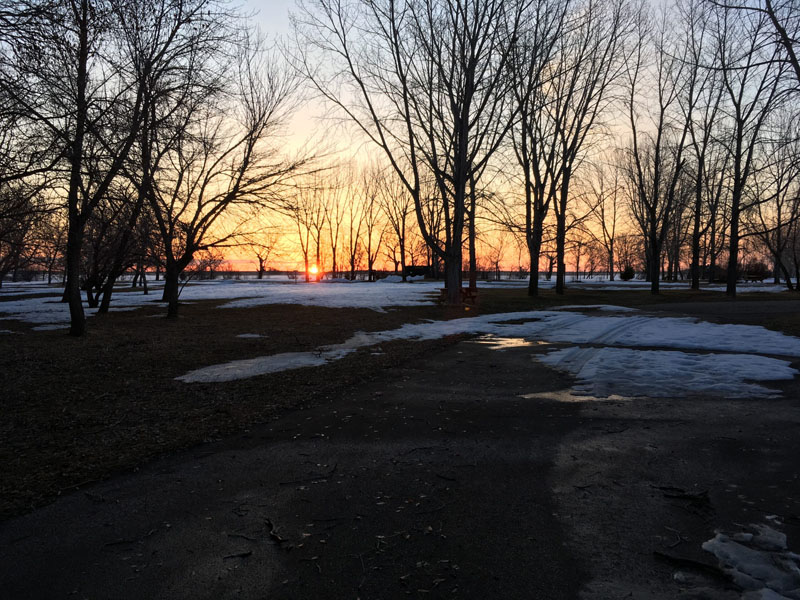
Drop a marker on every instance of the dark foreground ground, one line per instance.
(432, 477)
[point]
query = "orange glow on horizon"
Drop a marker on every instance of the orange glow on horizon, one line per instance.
(313, 269)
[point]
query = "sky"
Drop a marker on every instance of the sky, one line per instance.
(272, 15)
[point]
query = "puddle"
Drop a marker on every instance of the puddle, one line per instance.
(568, 395)
(494, 342)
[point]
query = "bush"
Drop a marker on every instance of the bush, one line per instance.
(627, 273)
(757, 270)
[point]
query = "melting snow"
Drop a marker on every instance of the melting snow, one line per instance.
(242, 294)
(600, 370)
(759, 562)
(242, 369)
(603, 372)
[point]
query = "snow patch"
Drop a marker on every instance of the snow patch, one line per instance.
(603, 372)
(262, 365)
(51, 327)
(759, 562)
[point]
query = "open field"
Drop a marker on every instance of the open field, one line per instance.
(590, 489)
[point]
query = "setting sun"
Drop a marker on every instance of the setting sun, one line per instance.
(313, 269)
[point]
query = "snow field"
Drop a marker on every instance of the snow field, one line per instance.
(49, 311)
(389, 292)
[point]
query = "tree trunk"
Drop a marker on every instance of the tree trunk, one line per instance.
(655, 266)
(92, 297)
(108, 290)
(72, 289)
(403, 256)
(733, 251)
(171, 289)
(781, 268)
(473, 261)
(534, 251)
(561, 242)
(611, 262)
(452, 277)
(695, 268)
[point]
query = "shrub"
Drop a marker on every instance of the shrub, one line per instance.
(627, 273)
(757, 269)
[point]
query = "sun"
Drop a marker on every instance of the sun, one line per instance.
(313, 269)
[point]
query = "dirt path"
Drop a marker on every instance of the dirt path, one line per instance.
(439, 481)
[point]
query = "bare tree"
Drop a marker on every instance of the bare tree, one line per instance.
(605, 210)
(397, 205)
(21, 207)
(308, 210)
(263, 245)
(783, 17)
(335, 212)
(656, 159)
(83, 74)
(533, 134)
(207, 175)
(83, 92)
(776, 190)
(52, 236)
(372, 179)
(425, 81)
(751, 73)
(354, 223)
(701, 103)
